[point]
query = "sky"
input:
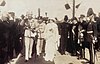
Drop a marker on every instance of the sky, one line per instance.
(54, 8)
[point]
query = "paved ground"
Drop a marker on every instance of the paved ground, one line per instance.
(59, 59)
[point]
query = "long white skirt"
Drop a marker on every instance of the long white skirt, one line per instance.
(50, 50)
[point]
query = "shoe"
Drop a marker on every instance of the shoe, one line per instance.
(30, 58)
(26, 60)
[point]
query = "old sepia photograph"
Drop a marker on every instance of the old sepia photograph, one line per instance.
(49, 31)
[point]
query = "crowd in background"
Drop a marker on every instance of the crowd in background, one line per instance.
(45, 36)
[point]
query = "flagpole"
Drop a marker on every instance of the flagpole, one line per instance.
(38, 12)
(73, 9)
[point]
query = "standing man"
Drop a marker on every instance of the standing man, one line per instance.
(91, 34)
(98, 29)
(75, 36)
(81, 37)
(7, 36)
(3, 40)
(64, 31)
(40, 40)
(22, 31)
(14, 34)
(29, 35)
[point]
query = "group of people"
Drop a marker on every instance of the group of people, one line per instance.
(80, 33)
(27, 36)
(41, 32)
(44, 36)
(10, 42)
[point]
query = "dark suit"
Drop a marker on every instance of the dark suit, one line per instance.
(8, 35)
(64, 29)
(84, 43)
(75, 39)
(3, 44)
(98, 36)
(16, 37)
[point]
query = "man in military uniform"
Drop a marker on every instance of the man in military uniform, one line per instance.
(91, 34)
(40, 40)
(29, 35)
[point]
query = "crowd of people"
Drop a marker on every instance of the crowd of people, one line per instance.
(45, 36)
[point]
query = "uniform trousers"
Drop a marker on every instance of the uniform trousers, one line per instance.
(28, 47)
(39, 46)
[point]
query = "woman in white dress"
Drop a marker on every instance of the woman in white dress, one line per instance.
(51, 37)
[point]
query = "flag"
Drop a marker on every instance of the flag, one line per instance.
(77, 6)
(3, 3)
(67, 6)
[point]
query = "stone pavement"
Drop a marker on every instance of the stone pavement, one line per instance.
(59, 59)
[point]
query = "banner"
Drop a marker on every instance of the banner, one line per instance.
(3, 3)
(77, 6)
(67, 6)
